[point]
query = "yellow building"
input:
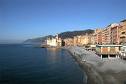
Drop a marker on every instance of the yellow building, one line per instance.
(93, 40)
(69, 42)
(82, 40)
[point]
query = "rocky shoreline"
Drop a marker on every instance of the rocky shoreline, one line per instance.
(99, 71)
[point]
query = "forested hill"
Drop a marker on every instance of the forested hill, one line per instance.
(71, 34)
(63, 35)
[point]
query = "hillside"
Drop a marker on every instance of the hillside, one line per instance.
(71, 34)
(38, 40)
(63, 35)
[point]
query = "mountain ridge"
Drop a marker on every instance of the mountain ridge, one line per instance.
(63, 35)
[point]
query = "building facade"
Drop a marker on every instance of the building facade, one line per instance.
(115, 33)
(98, 36)
(82, 40)
(122, 33)
(69, 42)
(106, 33)
(52, 42)
(112, 34)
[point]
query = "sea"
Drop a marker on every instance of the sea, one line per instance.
(25, 64)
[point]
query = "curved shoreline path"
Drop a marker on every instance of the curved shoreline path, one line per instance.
(99, 71)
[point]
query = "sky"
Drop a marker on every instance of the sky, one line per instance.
(25, 19)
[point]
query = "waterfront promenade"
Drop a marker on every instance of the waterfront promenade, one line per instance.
(99, 71)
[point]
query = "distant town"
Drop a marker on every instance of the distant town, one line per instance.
(111, 40)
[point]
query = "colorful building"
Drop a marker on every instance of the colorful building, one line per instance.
(98, 36)
(115, 33)
(122, 33)
(69, 42)
(108, 51)
(109, 35)
(82, 40)
(92, 41)
(106, 33)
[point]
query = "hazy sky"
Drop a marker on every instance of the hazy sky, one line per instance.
(23, 19)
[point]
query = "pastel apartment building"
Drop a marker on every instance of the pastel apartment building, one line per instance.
(115, 33)
(98, 36)
(112, 34)
(122, 32)
(106, 36)
(82, 40)
(69, 41)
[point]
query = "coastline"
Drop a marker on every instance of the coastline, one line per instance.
(98, 71)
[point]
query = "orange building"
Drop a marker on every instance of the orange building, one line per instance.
(122, 32)
(115, 33)
(109, 35)
(106, 35)
(98, 36)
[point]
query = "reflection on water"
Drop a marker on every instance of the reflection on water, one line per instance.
(53, 55)
(28, 65)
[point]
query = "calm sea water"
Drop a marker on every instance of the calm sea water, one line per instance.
(23, 64)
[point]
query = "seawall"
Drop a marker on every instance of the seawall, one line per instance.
(99, 71)
(92, 76)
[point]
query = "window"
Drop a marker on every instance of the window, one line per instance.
(122, 37)
(123, 32)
